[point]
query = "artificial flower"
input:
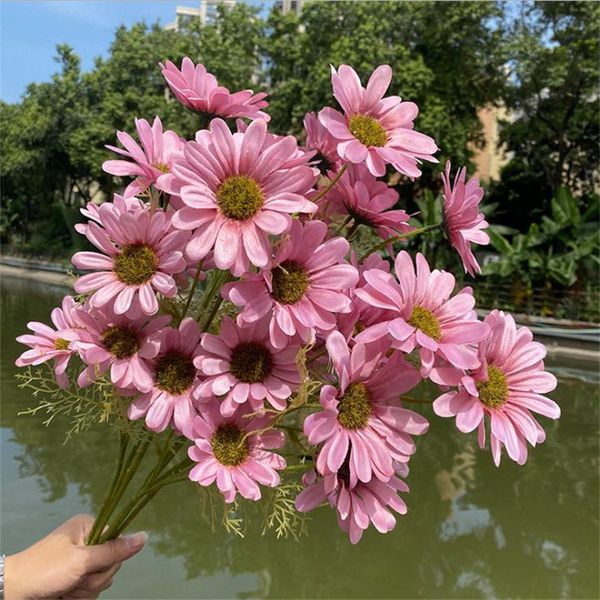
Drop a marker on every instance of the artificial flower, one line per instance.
(359, 506)
(141, 255)
(120, 344)
(320, 140)
(462, 219)
(234, 452)
(368, 201)
(507, 387)
(241, 365)
(198, 90)
(58, 344)
(174, 379)
(303, 290)
(375, 130)
(148, 162)
(425, 315)
(363, 417)
(238, 189)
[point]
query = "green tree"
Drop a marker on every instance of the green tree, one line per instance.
(446, 57)
(554, 95)
(231, 47)
(40, 182)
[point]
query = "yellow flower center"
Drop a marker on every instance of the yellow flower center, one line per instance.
(250, 362)
(61, 344)
(121, 341)
(239, 197)
(174, 372)
(493, 392)
(354, 408)
(135, 264)
(367, 130)
(290, 282)
(161, 167)
(229, 445)
(423, 319)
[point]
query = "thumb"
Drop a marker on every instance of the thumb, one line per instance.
(103, 556)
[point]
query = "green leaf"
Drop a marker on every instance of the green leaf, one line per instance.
(499, 241)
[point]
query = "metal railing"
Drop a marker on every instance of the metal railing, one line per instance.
(572, 305)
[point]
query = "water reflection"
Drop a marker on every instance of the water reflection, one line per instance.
(472, 530)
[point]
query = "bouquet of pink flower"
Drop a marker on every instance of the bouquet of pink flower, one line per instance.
(226, 322)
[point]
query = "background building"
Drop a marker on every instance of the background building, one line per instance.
(287, 6)
(490, 159)
(205, 13)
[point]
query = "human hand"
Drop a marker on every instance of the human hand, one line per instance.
(62, 566)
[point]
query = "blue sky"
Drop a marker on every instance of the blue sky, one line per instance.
(31, 29)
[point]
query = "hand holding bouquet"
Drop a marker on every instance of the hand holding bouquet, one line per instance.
(226, 322)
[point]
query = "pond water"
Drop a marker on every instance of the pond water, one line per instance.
(472, 531)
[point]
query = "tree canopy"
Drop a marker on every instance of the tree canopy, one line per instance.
(451, 58)
(554, 99)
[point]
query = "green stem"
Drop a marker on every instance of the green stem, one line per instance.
(165, 456)
(213, 313)
(123, 443)
(350, 233)
(134, 507)
(299, 467)
(154, 198)
(402, 236)
(216, 281)
(415, 400)
(342, 225)
(192, 290)
(184, 463)
(317, 356)
(328, 187)
(155, 481)
(124, 479)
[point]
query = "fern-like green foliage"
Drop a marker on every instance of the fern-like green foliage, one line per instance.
(82, 407)
(280, 514)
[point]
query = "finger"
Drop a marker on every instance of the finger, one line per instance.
(104, 556)
(96, 582)
(77, 528)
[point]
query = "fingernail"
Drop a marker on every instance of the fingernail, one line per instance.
(136, 540)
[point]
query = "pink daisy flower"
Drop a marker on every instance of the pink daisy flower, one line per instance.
(359, 506)
(238, 189)
(462, 219)
(174, 379)
(198, 90)
(363, 418)
(58, 344)
(320, 140)
(363, 314)
(147, 163)
(228, 452)
(120, 204)
(241, 365)
(141, 255)
(373, 129)
(303, 289)
(368, 201)
(298, 158)
(507, 387)
(425, 315)
(120, 344)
